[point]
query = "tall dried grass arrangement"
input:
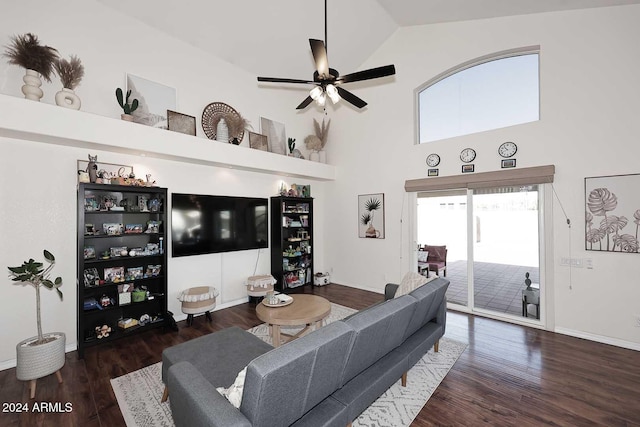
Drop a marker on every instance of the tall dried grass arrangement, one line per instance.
(236, 125)
(319, 140)
(70, 72)
(27, 52)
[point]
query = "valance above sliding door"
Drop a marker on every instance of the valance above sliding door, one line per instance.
(501, 178)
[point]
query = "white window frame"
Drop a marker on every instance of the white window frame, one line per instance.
(510, 53)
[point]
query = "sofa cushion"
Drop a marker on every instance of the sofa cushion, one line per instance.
(428, 299)
(284, 384)
(378, 330)
(211, 356)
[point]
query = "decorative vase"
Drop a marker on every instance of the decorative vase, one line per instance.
(40, 360)
(126, 117)
(67, 98)
(314, 156)
(222, 131)
(31, 88)
(323, 156)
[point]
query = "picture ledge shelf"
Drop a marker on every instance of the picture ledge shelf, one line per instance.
(40, 122)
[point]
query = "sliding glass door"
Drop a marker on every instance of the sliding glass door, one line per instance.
(505, 249)
(442, 218)
(493, 245)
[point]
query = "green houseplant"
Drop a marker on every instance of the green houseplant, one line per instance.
(127, 107)
(43, 354)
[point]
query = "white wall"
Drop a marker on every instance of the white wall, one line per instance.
(39, 180)
(589, 127)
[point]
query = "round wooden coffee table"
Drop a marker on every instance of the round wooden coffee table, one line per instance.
(307, 310)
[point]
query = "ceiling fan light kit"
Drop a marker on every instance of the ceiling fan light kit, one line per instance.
(327, 80)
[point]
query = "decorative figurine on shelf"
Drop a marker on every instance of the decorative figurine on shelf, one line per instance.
(127, 107)
(527, 281)
(92, 168)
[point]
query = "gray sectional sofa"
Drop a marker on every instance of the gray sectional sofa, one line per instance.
(326, 378)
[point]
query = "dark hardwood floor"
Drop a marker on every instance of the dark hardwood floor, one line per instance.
(509, 375)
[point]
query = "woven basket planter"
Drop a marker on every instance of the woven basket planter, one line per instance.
(37, 361)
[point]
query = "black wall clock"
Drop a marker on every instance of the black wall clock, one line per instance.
(433, 160)
(507, 149)
(468, 155)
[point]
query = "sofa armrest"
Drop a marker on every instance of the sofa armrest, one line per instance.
(390, 291)
(441, 315)
(196, 403)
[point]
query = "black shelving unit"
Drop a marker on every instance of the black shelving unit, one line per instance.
(291, 242)
(121, 248)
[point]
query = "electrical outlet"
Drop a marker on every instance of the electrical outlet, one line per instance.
(565, 261)
(588, 263)
(576, 262)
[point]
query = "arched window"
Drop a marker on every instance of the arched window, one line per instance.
(487, 93)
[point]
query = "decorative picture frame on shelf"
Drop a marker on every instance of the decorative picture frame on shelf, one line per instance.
(468, 168)
(612, 204)
(89, 252)
(154, 100)
(258, 141)
(276, 135)
(432, 172)
(114, 274)
(371, 216)
(91, 277)
(182, 123)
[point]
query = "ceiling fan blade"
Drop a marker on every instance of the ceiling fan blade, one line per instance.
(279, 80)
(350, 98)
(372, 73)
(308, 100)
(320, 57)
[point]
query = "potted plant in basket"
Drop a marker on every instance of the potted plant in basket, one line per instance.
(127, 107)
(43, 354)
(38, 61)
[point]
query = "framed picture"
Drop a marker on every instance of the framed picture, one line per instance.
(178, 122)
(508, 163)
(467, 168)
(91, 277)
(89, 252)
(112, 228)
(432, 172)
(258, 141)
(276, 136)
(133, 228)
(153, 226)
(134, 273)
(612, 210)
(118, 251)
(114, 274)
(371, 216)
(153, 270)
(154, 99)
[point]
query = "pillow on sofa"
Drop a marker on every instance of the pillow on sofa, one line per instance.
(234, 393)
(422, 256)
(411, 281)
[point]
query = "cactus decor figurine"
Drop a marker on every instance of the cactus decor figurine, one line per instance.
(127, 107)
(292, 144)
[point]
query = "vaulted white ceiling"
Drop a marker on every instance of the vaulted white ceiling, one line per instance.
(270, 38)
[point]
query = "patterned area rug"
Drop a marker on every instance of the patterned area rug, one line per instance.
(139, 392)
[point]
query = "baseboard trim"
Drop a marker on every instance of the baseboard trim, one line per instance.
(599, 338)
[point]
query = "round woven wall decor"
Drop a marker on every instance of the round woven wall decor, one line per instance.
(214, 112)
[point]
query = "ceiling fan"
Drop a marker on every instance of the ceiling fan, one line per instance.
(327, 80)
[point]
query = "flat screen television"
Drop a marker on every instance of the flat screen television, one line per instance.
(203, 224)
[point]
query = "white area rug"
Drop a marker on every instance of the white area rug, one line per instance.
(139, 392)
